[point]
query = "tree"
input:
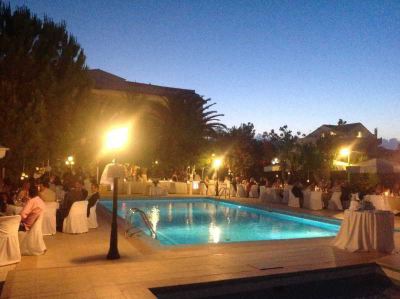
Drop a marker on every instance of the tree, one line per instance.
(42, 87)
(243, 152)
(285, 143)
(341, 122)
(185, 125)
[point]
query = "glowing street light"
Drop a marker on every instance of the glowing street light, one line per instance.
(346, 152)
(70, 162)
(115, 140)
(274, 161)
(217, 164)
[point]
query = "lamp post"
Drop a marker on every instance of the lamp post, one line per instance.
(115, 141)
(346, 152)
(70, 162)
(217, 163)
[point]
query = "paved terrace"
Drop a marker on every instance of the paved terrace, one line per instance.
(75, 266)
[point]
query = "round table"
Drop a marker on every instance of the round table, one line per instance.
(366, 230)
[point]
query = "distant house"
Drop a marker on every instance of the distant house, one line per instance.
(347, 131)
(354, 135)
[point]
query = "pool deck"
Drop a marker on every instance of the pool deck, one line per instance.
(75, 266)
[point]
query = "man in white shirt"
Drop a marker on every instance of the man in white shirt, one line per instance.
(46, 194)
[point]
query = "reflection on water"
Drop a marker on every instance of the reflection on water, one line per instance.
(189, 213)
(214, 233)
(154, 217)
(170, 207)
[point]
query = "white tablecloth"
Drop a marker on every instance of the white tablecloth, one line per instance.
(157, 191)
(269, 194)
(178, 188)
(313, 200)
(366, 231)
(380, 202)
(137, 187)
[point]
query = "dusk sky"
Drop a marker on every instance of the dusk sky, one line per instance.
(267, 62)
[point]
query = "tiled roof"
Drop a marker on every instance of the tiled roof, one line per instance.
(345, 127)
(105, 80)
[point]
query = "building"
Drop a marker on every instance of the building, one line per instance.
(108, 87)
(354, 135)
(353, 139)
(345, 132)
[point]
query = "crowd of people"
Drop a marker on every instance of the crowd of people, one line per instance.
(298, 187)
(28, 198)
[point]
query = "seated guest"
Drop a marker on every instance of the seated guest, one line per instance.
(378, 189)
(345, 197)
(311, 187)
(46, 194)
(235, 182)
(251, 183)
(336, 187)
(3, 204)
(396, 189)
(93, 198)
(277, 184)
(174, 178)
(298, 192)
(23, 192)
(206, 180)
(32, 209)
(72, 195)
(7, 205)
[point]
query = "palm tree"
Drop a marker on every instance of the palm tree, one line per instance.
(184, 124)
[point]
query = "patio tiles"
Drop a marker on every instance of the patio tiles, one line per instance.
(75, 266)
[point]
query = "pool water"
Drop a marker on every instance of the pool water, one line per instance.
(204, 220)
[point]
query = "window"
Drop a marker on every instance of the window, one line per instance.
(359, 134)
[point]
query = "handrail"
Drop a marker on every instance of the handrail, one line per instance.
(146, 221)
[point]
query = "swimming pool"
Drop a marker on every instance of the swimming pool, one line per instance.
(204, 220)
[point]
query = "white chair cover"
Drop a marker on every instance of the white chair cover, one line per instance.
(286, 192)
(202, 189)
(334, 202)
(76, 222)
(313, 200)
(211, 190)
(263, 193)
(253, 193)
(92, 219)
(49, 219)
(232, 191)
(240, 191)
(306, 197)
(9, 245)
(272, 196)
(294, 201)
(31, 242)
